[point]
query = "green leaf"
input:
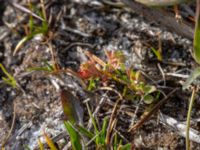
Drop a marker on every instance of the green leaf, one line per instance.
(157, 53)
(74, 136)
(196, 42)
(92, 84)
(192, 77)
(148, 99)
(104, 131)
(148, 89)
(71, 107)
(125, 147)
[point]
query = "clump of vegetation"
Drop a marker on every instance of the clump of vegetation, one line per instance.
(80, 136)
(96, 72)
(34, 29)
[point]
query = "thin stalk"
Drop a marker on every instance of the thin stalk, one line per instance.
(188, 119)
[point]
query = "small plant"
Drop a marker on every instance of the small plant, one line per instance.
(196, 72)
(33, 29)
(96, 71)
(157, 53)
(81, 137)
(10, 80)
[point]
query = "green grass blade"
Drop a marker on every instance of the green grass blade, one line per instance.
(10, 79)
(49, 66)
(39, 69)
(196, 42)
(74, 136)
(97, 140)
(84, 131)
(115, 142)
(157, 53)
(104, 131)
(125, 147)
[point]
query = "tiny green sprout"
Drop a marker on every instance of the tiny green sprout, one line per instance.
(10, 80)
(47, 67)
(157, 53)
(92, 84)
(33, 29)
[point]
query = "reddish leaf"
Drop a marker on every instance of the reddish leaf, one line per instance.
(71, 107)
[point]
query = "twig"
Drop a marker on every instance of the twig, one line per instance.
(22, 8)
(75, 31)
(179, 127)
(162, 73)
(113, 120)
(78, 44)
(153, 110)
(177, 75)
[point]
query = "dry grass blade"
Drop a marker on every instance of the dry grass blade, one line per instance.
(95, 58)
(113, 120)
(50, 142)
(11, 129)
(187, 142)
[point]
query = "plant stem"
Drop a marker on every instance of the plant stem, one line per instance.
(188, 119)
